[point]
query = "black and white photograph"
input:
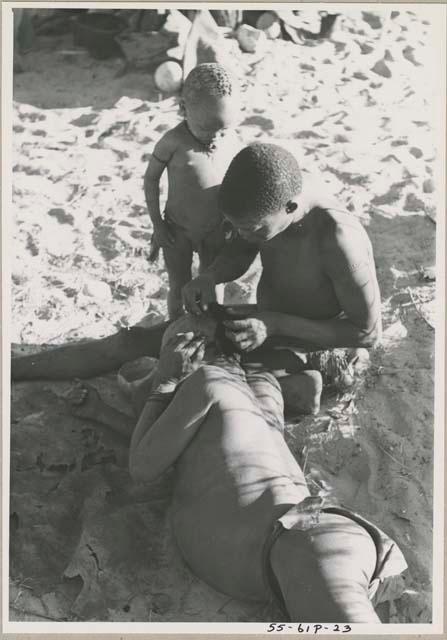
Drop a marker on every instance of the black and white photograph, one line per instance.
(223, 285)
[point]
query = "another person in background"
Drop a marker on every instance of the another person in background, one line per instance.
(196, 154)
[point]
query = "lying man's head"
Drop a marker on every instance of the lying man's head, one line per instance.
(203, 325)
(210, 326)
(260, 190)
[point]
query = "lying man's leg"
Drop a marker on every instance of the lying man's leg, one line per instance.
(92, 358)
(95, 357)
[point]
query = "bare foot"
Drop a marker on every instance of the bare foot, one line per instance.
(84, 401)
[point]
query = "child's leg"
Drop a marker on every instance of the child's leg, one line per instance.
(208, 250)
(178, 260)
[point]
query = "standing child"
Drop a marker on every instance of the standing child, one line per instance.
(196, 153)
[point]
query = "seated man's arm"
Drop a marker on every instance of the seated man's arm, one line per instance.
(349, 263)
(233, 261)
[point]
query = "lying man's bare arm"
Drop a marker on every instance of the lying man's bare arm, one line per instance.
(166, 427)
(168, 423)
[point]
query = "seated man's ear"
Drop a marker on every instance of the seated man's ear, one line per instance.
(291, 206)
(181, 108)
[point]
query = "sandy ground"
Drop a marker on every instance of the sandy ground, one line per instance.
(356, 110)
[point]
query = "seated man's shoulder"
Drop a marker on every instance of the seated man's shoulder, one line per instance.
(338, 227)
(344, 243)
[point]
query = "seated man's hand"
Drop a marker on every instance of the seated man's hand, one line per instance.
(249, 333)
(180, 355)
(199, 293)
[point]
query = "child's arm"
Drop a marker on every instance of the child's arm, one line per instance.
(160, 158)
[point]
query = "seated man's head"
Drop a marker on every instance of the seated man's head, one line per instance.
(210, 101)
(260, 190)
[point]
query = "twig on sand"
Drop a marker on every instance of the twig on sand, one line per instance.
(33, 614)
(395, 459)
(416, 306)
(305, 460)
(407, 470)
(429, 216)
(227, 602)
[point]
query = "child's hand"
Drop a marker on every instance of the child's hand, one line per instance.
(163, 234)
(199, 293)
(180, 356)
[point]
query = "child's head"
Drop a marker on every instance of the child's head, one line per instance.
(209, 100)
(260, 190)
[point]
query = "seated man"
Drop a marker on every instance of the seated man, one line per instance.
(318, 289)
(241, 511)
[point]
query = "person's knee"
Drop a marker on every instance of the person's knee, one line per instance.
(302, 391)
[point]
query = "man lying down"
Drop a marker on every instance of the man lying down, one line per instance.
(241, 512)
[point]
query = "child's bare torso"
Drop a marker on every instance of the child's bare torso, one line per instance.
(195, 173)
